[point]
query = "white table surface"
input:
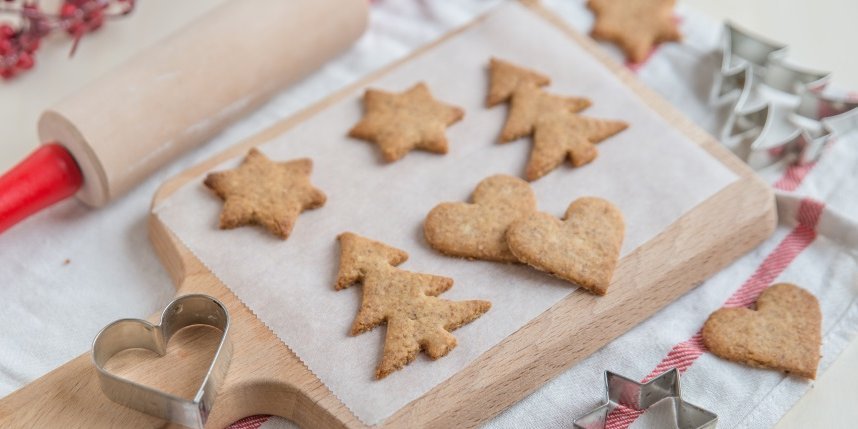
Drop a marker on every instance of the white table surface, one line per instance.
(818, 34)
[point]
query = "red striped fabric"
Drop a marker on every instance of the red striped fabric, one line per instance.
(793, 177)
(684, 354)
(252, 422)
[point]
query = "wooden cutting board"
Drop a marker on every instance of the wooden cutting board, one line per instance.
(266, 377)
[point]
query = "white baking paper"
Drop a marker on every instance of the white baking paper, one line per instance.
(651, 172)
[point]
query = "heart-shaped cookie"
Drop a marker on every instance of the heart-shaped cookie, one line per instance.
(583, 248)
(478, 230)
(127, 334)
(784, 332)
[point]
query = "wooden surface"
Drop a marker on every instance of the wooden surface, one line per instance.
(266, 377)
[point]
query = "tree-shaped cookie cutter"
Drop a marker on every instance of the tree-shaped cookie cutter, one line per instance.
(777, 110)
(626, 396)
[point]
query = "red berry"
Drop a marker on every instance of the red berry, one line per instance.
(7, 73)
(6, 32)
(25, 61)
(5, 47)
(68, 10)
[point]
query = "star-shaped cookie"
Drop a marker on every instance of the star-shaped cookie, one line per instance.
(529, 103)
(635, 25)
(398, 123)
(264, 192)
(504, 78)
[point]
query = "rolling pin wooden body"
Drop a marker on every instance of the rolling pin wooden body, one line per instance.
(185, 89)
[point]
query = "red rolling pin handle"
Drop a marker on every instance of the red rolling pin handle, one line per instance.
(48, 175)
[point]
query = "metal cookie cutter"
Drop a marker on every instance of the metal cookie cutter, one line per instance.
(125, 334)
(777, 107)
(626, 394)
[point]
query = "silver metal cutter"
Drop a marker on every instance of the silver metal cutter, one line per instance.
(126, 334)
(777, 109)
(622, 392)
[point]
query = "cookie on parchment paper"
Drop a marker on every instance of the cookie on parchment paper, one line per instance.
(417, 320)
(401, 122)
(558, 131)
(264, 192)
(505, 78)
(567, 135)
(529, 103)
(478, 229)
(583, 249)
(634, 25)
(783, 332)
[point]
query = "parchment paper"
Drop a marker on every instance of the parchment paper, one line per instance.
(650, 171)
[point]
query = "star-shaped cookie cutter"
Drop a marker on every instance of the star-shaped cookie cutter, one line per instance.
(778, 110)
(626, 395)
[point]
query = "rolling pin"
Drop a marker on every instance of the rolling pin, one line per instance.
(110, 135)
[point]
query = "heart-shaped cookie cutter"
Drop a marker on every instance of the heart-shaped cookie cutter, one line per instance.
(123, 334)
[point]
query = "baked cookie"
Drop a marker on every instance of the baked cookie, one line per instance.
(634, 25)
(784, 332)
(407, 302)
(567, 135)
(478, 230)
(505, 77)
(529, 103)
(266, 193)
(398, 123)
(584, 248)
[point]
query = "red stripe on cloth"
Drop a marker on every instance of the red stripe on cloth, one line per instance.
(252, 422)
(621, 417)
(795, 174)
(793, 177)
(684, 354)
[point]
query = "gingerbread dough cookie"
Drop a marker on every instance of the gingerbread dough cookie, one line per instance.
(505, 77)
(584, 248)
(266, 193)
(407, 302)
(478, 230)
(634, 25)
(398, 123)
(562, 136)
(530, 103)
(784, 332)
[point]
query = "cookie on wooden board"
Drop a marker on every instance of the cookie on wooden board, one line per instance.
(636, 26)
(264, 192)
(584, 248)
(399, 123)
(478, 229)
(783, 332)
(505, 77)
(406, 302)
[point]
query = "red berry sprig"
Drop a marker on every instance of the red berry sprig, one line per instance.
(75, 17)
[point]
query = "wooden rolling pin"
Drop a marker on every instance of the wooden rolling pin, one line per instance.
(113, 133)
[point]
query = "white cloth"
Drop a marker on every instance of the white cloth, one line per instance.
(53, 310)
